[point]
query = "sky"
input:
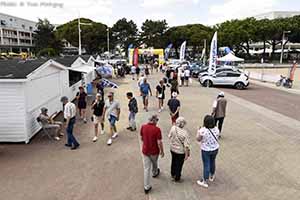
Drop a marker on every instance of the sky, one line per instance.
(176, 12)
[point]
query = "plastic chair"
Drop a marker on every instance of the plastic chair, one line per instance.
(45, 130)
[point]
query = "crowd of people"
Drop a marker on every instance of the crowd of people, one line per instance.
(180, 141)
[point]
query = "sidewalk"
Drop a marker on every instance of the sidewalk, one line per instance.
(257, 160)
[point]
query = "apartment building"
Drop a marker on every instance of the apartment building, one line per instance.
(16, 34)
(276, 15)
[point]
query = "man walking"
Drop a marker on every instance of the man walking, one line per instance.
(97, 107)
(133, 109)
(145, 89)
(152, 148)
(112, 108)
(219, 110)
(174, 107)
(70, 117)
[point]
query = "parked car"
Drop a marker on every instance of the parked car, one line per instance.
(220, 68)
(196, 69)
(238, 79)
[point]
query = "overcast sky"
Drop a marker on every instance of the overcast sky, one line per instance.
(176, 12)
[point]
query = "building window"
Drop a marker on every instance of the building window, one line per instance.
(23, 26)
(11, 19)
(30, 28)
(74, 77)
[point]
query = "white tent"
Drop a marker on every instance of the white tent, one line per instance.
(230, 58)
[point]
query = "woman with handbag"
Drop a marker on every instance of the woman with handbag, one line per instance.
(208, 139)
(180, 148)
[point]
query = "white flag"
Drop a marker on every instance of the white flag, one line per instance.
(182, 51)
(213, 55)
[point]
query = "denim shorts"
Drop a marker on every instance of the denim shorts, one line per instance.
(112, 120)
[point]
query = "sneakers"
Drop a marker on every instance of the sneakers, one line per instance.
(95, 139)
(202, 183)
(156, 175)
(102, 132)
(159, 111)
(57, 138)
(84, 120)
(212, 178)
(115, 135)
(109, 141)
(147, 190)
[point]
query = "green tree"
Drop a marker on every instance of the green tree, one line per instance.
(124, 33)
(153, 33)
(93, 37)
(45, 38)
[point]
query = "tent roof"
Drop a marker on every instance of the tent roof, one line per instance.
(230, 58)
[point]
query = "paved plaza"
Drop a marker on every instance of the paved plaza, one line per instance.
(258, 157)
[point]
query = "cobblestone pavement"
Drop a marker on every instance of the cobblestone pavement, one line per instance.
(258, 157)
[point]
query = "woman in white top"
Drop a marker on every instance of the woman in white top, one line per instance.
(208, 139)
(187, 74)
(180, 147)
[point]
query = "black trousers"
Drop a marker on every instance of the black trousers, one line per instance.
(176, 165)
(219, 123)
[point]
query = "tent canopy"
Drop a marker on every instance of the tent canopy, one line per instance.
(230, 58)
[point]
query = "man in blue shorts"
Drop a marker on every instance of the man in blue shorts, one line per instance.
(145, 90)
(112, 110)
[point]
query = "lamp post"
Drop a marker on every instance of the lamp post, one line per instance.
(79, 34)
(108, 41)
(282, 46)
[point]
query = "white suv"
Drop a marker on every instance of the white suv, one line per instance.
(237, 79)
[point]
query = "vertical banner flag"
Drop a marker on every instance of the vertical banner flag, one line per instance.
(167, 51)
(203, 53)
(136, 57)
(129, 47)
(182, 51)
(292, 71)
(213, 55)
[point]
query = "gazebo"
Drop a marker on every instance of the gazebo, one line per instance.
(230, 58)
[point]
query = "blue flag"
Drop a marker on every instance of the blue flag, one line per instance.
(167, 51)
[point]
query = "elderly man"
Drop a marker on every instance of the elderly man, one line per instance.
(152, 148)
(219, 110)
(174, 107)
(48, 123)
(70, 117)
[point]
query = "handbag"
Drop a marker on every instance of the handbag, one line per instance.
(213, 135)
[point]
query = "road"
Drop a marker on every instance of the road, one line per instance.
(258, 157)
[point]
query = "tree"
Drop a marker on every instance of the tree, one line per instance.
(45, 38)
(93, 36)
(124, 33)
(153, 33)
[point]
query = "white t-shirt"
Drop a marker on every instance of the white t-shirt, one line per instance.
(208, 142)
(112, 107)
(187, 73)
(69, 110)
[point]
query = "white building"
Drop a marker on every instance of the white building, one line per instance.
(276, 15)
(16, 34)
(26, 87)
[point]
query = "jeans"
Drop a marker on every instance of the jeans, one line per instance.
(176, 165)
(131, 118)
(219, 122)
(149, 161)
(112, 120)
(209, 163)
(71, 139)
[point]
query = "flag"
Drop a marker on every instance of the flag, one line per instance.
(107, 83)
(182, 51)
(213, 55)
(167, 51)
(129, 47)
(203, 53)
(136, 57)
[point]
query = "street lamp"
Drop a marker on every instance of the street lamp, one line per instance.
(108, 41)
(282, 46)
(79, 34)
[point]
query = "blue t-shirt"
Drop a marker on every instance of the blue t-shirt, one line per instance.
(145, 88)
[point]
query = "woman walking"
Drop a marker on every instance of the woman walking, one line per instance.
(81, 98)
(180, 148)
(160, 94)
(207, 137)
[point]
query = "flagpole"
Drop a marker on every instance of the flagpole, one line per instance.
(79, 37)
